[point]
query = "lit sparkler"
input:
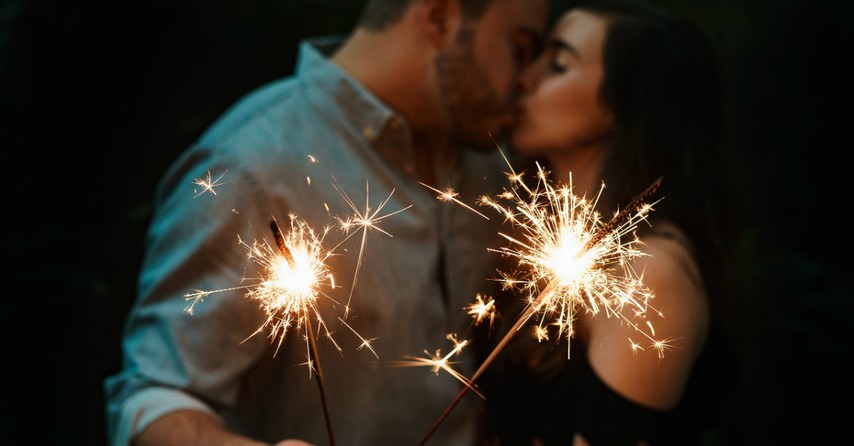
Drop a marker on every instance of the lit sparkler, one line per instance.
(584, 260)
(297, 282)
(563, 242)
(293, 273)
(290, 279)
(289, 288)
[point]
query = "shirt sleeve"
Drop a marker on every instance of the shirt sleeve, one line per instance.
(196, 253)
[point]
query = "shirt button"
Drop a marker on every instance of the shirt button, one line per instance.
(368, 132)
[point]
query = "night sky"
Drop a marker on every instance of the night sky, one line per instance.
(97, 97)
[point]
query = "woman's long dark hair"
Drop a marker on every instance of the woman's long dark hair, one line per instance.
(661, 83)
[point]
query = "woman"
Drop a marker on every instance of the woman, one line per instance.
(625, 95)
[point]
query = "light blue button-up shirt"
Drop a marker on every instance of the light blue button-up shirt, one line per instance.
(296, 147)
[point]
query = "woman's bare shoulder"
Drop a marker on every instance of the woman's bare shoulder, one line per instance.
(648, 357)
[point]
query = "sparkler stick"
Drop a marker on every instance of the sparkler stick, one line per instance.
(313, 356)
(519, 322)
(288, 291)
(570, 222)
(280, 242)
(320, 384)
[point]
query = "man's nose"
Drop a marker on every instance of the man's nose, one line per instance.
(530, 76)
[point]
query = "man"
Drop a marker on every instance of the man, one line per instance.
(360, 128)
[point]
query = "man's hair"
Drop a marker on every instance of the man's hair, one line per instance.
(379, 14)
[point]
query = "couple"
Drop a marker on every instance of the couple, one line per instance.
(415, 95)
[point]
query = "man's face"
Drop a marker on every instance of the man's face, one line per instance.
(479, 71)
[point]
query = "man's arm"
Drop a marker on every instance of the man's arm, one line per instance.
(192, 427)
(189, 427)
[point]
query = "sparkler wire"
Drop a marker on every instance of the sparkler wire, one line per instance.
(315, 358)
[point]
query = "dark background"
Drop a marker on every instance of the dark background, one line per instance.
(97, 97)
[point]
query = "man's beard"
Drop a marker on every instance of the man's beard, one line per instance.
(466, 94)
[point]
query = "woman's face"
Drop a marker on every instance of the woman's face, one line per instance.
(563, 112)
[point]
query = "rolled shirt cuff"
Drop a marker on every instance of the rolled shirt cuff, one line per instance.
(144, 407)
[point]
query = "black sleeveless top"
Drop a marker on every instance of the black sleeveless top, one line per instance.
(524, 406)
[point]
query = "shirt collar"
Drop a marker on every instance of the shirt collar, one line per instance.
(384, 129)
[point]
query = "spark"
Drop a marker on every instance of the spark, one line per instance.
(365, 342)
(482, 309)
(208, 184)
(364, 220)
(541, 333)
(450, 195)
(662, 345)
(437, 362)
